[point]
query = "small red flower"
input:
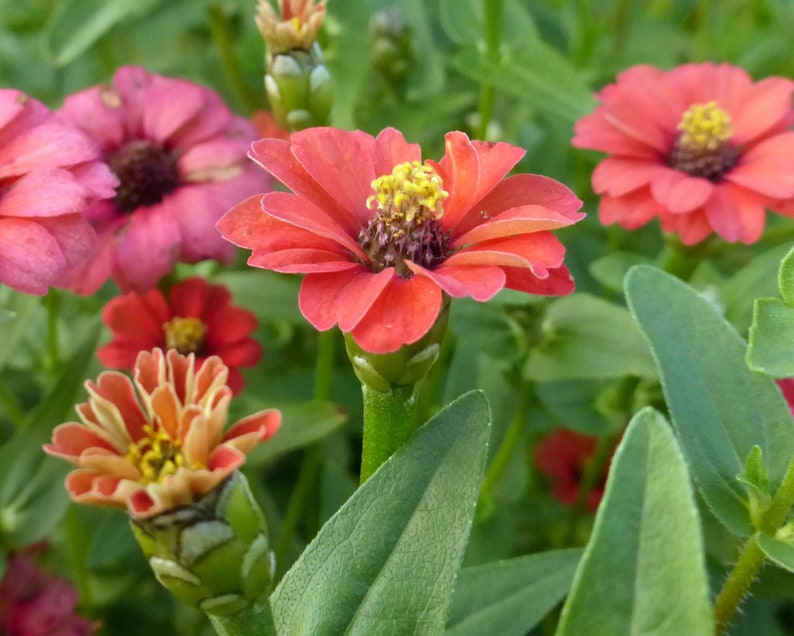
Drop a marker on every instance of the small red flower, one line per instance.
(197, 318)
(701, 147)
(159, 443)
(180, 156)
(34, 602)
(382, 237)
(563, 456)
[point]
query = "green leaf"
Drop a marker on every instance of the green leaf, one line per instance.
(780, 552)
(386, 562)
(21, 308)
(512, 596)
(587, 337)
(720, 408)
(771, 336)
(643, 570)
(785, 278)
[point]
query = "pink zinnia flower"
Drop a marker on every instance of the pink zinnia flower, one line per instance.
(158, 443)
(702, 147)
(563, 456)
(196, 318)
(49, 174)
(34, 602)
(180, 156)
(383, 237)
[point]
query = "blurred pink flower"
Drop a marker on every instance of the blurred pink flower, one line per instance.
(196, 318)
(159, 443)
(36, 603)
(180, 155)
(702, 147)
(384, 239)
(49, 174)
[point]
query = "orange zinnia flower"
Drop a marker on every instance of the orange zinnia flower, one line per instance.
(701, 147)
(385, 238)
(158, 443)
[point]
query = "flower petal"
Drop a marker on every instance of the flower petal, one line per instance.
(480, 282)
(767, 168)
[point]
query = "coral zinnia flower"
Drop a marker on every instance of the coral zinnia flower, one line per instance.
(197, 318)
(49, 174)
(382, 237)
(162, 447)
(563, 456)
(180, 156)
(701, 147)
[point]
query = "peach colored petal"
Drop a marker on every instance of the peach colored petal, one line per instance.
(767, 168)
(117, 388)
(762, 108)
(617, 176)
(631, 211)
(558, 282)
(111, 464)
(251, 430)
(481, 282)
(522, 220)
(680, 193)
(167, 409)
(70, 440)
(391, 149)
(736, 214)
(226, 458)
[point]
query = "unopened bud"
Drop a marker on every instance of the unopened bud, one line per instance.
(391, 52)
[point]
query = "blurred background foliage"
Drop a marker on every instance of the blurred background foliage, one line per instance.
(523, 75)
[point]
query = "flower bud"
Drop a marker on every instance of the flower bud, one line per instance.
(214, 553)
(390, 45)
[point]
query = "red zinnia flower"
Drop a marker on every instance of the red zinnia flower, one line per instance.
(563, 455)
(34, 602)
(49, 174)
(197, 318)
(382, 237)
(180, 156)
(157, 444)
(701, 147)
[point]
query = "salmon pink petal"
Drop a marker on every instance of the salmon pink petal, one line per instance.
(195, 209)
(559, 281)
(537, 249)
(680, 193)
(22, 267)
(226, 458)
(170, 106)
(768, 168)
(617, 176)
(165, 404)
(735, 214)
(480, 282)
(249, 431)
(523, 220)
(631, 211)
(691, 228)
(117, 389)
(302, 261)
(245, 223)
(70, 440)
(756, 114)
(391, 149)
(403, 313)
(44, 192)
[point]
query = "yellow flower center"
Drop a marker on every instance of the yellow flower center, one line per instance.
(705, 127)
(155, 455)
(406, 227)
(411, 192)
(186, 335)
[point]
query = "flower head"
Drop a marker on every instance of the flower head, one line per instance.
(295, 26)
(34, 602)
(49, 174)
(383, 236)
(563, 456)
(701, 147)
(159, 443)
(196, 318)
(179, 155)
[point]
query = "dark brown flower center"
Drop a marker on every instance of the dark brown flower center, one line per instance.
(406, 226)
(703, 147)
(146, 172)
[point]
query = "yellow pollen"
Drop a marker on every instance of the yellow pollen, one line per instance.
(413, 191)
(155, 455)
(186, 335)
(705, 127)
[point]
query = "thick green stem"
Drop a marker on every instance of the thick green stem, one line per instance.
(737, 583)
(254, 620)
(389, 420)
(492, 23)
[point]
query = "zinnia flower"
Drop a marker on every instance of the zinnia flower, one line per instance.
(179, 154)
(158, 444)
(197, 318)
(294, 26)
(34, 602)
(702, 147)
(382, 237)
(563, 456)
(49, 174)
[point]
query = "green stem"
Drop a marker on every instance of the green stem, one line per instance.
(223, 37)
(737, 583)
(254, 620)
(389, 420)
(492, 23)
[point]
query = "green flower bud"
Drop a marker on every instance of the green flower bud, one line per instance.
(406, 366)
(390, 47)
(299, 88)
(213, 554)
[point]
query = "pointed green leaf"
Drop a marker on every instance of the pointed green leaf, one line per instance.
(512, 596)
(643, 571)
(386, 562)
(771, 348)
(785, 278)
(720, 408)
(780, 552)
(587, 337)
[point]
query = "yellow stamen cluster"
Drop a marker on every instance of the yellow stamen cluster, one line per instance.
(705, 127)
(155, 455)
(412, 192)
(186, 335)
